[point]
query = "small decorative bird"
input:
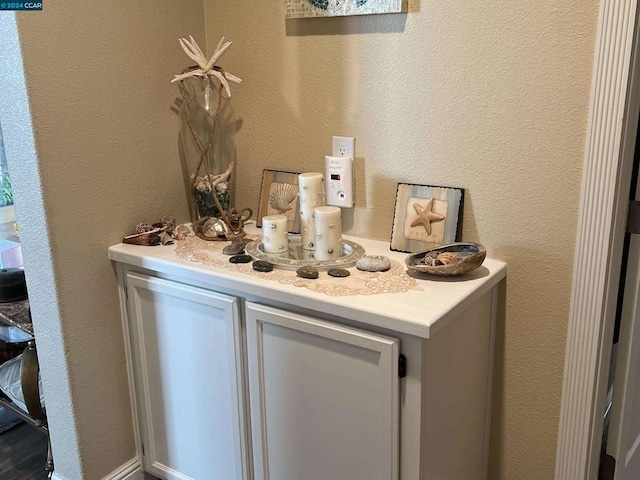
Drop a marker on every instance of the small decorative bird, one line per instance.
(426, 215)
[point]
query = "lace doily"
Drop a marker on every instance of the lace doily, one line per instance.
(394, 280)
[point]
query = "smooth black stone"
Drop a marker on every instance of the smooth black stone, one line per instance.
(240, 259)
(339, 272)
(233, 249)
(307, 272)
(262, 266)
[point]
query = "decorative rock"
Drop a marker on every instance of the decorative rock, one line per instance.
(235, 248)
(262, 266)
(374, 263)
(339, 272)
(307, 272)
(240, 259)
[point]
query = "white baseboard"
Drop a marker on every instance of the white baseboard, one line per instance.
(131, 470)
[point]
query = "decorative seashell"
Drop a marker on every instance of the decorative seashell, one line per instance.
(447, 258)
(431, 261)
(150, 238)
(143, 227)
(202, 184)
(169, 222)
(214, 227)
(181, 232)
(469, 257)
(282, 197)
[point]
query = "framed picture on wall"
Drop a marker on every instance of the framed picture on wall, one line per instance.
(341, 8)
(279, 196)
(426, 217)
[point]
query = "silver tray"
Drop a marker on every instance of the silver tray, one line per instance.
(296, 257)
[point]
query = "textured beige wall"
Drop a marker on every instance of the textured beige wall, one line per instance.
(489, 96)
(98, 78)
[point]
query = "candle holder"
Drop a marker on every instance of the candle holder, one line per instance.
(296, 256)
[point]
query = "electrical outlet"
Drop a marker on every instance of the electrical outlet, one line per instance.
(344, 147)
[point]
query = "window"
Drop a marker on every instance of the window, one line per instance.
(6, 196)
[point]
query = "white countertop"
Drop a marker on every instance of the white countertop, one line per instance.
(419, 313)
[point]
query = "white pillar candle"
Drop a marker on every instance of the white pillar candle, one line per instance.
(311, 187)
(275, 237)
(308, 255)
(328, 225)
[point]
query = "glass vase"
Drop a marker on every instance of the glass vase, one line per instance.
(208, 157)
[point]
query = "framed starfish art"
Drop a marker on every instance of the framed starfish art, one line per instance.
(426, 217)
(341, 8)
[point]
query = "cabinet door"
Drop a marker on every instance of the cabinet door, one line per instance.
(324, 399)
(188, 365)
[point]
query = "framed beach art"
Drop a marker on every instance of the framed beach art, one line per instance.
(341, 8)
(426, 217)
(279, 196)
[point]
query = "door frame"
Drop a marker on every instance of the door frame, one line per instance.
(602, 219)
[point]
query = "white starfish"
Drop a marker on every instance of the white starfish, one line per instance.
(207, 67)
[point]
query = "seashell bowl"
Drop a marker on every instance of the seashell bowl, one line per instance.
(448, 260)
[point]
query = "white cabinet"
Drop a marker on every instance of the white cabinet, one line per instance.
(241, 377)
(186, 346)
(324, 399)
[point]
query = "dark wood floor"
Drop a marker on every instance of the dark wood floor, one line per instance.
(23, 453)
